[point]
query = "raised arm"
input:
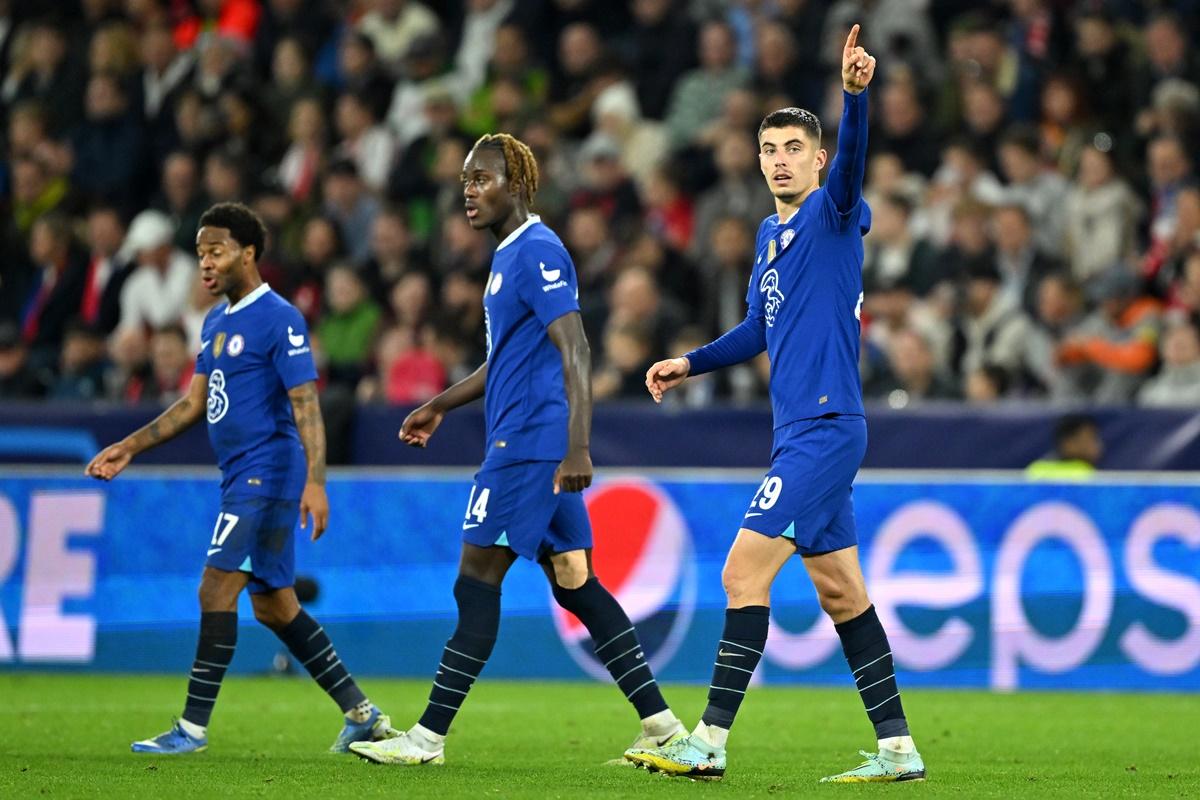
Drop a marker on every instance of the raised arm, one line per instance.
(850, 162)
(424, 420)
(179, 416)
(306, 409)
(574, 474)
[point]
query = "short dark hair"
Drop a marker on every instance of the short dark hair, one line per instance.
(245, 227)
(793, 117)
(1071, 424)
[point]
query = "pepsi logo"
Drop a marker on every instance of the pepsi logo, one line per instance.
(642, 553)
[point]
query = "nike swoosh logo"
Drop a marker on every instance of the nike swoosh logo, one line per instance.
(754, 514)
(468, 526)
(430, 758)
(204, 344)
(214, 550)
(722, 652)
(199, 669)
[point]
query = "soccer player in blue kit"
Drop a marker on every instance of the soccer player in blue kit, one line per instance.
(525, 500)
(256, 382)
(804, 300)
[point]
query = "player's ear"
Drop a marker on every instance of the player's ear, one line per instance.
(822, 157)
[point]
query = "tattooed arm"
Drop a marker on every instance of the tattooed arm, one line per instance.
(181, 415)
(307, 411)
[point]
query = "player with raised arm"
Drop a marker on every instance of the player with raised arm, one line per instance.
(256, 380)
(526, 499)
(804, 300)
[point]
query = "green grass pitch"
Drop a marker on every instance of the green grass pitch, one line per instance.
(67, 735)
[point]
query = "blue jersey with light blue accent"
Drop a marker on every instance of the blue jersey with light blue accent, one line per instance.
(805, 294)
(532, 283)
(253, 353)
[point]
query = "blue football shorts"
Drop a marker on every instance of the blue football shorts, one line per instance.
(806, 495)
(513, 504)
(256, 535)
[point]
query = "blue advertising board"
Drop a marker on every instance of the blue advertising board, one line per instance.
(983, 581)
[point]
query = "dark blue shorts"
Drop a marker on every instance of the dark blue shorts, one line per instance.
(256, 535)
(805, 496)
(513, 504)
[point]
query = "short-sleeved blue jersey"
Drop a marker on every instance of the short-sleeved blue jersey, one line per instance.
(253, 353)
(532, 283)
(807, 290)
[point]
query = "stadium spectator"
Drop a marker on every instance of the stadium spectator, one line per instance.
(669, 212)
(81, 366)
(180, 198)
(914, 372)
(347, 331)
(393, 25)
(697, 98)
(993, 328)
(636, 300)
(56, 292)
(893, 254)
(1178, 383)
(303, 159)
(1169, 168)
(512, 64)
(1168, 55)
(44, 70)
(643, 143)
(392, 252)
(165, 72)
(1020, 262)
(1104, 61)
(605, 185)
(108, 145)
(320, 246)
(106, 272)
(1078, 448)
(660, 48)
(351, 206)
(986, 385)
(1065, 128)
(292, 80)
(1102, 214)
(1109, 354)
(904, 127)
(1184, 294)
(621, 374)
(361, 74)
(365, 142)
(478, 40)
(410, 372)
(1041, 191)
(586, 69)
(738, 191)
(156, 292)
(17, 378)
(224, 176)
(1059, 309)
(171, 365)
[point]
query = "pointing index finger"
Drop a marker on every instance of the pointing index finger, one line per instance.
(851, 39)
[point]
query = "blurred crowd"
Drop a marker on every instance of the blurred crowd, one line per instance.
(1036, 228)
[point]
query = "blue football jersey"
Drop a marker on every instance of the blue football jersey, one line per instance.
(806, 288)
(253, 353)
(532, 283)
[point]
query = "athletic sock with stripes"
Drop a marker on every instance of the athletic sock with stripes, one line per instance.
(738, 653)
(466, 652)
(870, 658)
(311, 646)
(214, 651)
(616, 643)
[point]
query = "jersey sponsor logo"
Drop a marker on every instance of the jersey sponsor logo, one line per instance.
(218, 344)
(644, 556)
(786, 238)
(236, 345)
(549, 275)
(218, 401)
(549, 287)
(295, 339)
(773, 299)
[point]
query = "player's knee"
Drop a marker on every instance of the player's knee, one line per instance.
(215, 596)
(570, 576)
(841, 601)
(742, 587)
(271, 616)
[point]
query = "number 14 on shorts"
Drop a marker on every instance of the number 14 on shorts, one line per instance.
(476, 507)
(766, 496)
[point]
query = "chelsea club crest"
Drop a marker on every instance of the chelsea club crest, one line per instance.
(786, 238)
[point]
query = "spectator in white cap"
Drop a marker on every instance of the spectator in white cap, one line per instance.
(157, 290)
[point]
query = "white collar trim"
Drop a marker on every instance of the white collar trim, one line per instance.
(512, 237)
(248, 299)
